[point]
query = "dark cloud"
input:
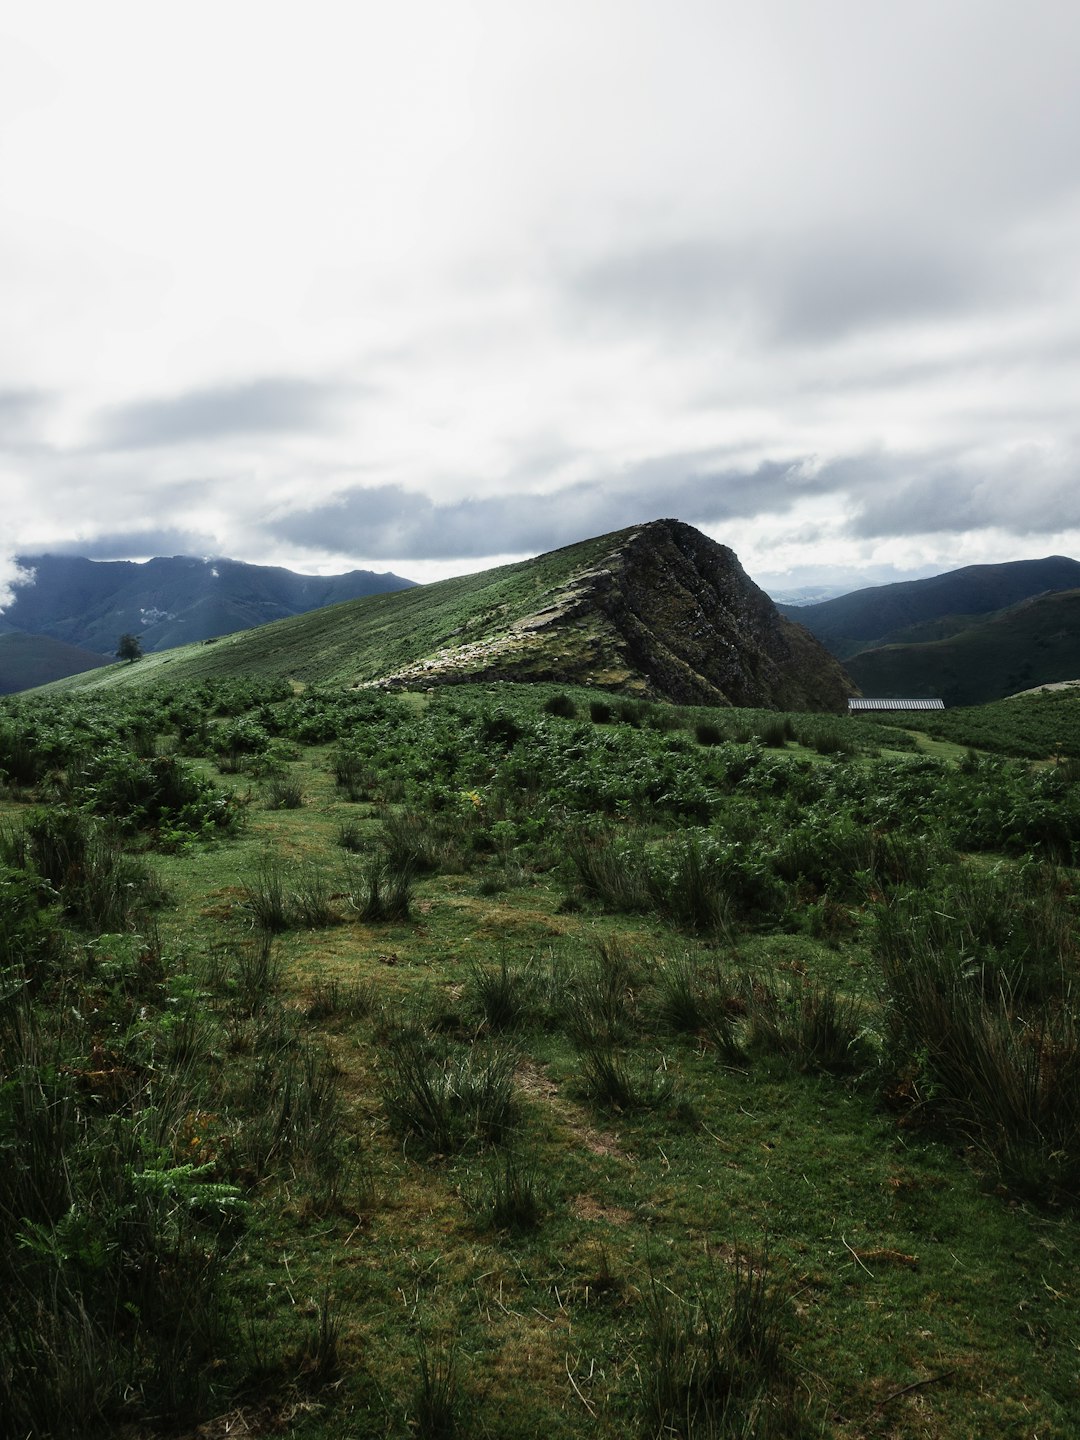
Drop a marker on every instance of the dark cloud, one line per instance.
(390, 521)
(136, 544)
(272, 406)
(1029, 494)
(801, 289)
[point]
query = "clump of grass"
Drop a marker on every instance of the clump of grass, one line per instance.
(775, 732)
(614, 869)
(713, 1365)
(310, 900)
(561, 706)
(503, 997)
(437, 1406)
(251, 973)
(353, 774)
(814, 1025)
(447, 1098)
(266, 896)
(600, 1000)
(351, 837)
(606, 1078)
(335, 998)
(382, 890)
(1003, 1073)
(511, 1195)
(411, 839)
(707, 733)
(283, 792)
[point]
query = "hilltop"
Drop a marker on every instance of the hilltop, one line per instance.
(655, 610)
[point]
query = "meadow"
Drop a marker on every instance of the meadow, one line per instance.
(524, 1059)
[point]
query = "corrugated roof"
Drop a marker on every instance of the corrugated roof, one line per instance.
(855, 705)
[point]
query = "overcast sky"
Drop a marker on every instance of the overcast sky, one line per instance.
(422, 285)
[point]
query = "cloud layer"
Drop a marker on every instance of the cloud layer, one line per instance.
(436, 284)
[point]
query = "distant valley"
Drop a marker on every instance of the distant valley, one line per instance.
(967, 636)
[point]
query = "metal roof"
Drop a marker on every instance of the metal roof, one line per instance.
(856, 705)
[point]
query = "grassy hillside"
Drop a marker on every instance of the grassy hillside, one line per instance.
(361, 640)
(655, 609)
(530, 1060)
(1034, 643)
(30, 660)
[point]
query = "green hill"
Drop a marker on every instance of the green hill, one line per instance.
(656, 609)
(914, 611)
(1034, 643)
(168, 601)
(29, 660)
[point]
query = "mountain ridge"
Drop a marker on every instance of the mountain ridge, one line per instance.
(1032, 643)
(881, 615)
(656, 609)
(167, 601)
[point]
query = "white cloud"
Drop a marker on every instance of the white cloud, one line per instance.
(484, 271)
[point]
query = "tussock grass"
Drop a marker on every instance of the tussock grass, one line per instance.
(714, 1365)
(448, 1097)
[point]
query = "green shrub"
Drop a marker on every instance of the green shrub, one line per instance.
(561, 706)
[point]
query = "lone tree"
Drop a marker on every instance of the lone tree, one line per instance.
(129, 648)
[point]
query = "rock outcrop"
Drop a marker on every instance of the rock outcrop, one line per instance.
(663, 612)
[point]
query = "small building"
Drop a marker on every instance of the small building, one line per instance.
(860, 707)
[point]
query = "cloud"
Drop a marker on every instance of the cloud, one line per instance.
(794, 288)
(1027, 490)
(18, 411)
(11, 575)
(391, 521)
(140, 544)
(272, 406)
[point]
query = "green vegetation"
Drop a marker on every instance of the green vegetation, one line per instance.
(1045, 724)
(526, 1059)
(656, 609)
(1034, 643)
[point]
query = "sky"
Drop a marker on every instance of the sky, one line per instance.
(431, 285)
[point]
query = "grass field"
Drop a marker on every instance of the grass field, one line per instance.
(520, 1060)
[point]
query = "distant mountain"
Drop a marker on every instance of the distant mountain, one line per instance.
(655, 610)
(1034, 643)
(28, 660)
(89, 604)
(915, 611)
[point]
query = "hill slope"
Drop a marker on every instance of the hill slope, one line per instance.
(932, 609)
(28, 660)
(657, 609)
(1034, 643)
(168, 602)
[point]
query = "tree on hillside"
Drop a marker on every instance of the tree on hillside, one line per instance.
(129, 648)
